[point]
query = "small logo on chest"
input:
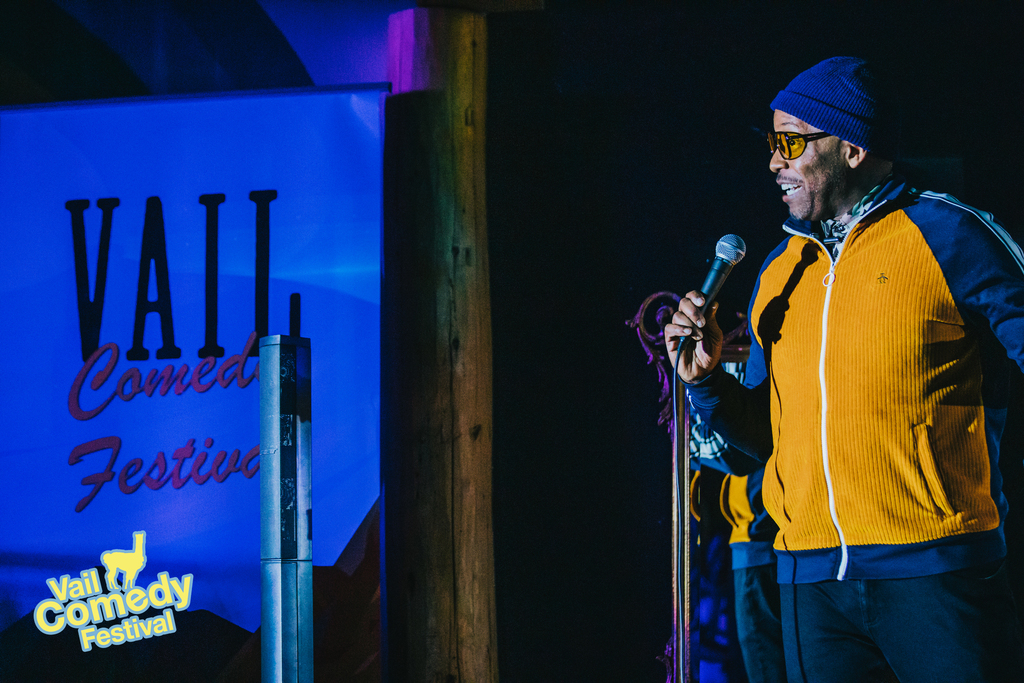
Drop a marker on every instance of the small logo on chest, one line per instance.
(882, 278)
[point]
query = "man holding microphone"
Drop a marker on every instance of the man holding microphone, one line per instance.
(877, 388)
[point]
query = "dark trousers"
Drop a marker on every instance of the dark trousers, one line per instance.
(958, 626)
(758, 624)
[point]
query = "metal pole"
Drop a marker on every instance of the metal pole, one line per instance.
(286, 511)
(684, 666)
(682, 542)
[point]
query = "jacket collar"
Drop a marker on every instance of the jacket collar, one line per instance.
(890, 188)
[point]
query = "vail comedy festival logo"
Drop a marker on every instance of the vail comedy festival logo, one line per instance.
(82, 604)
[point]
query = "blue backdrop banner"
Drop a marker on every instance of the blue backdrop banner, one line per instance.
(147, 245)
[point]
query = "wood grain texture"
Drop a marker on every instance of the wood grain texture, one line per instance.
(436, 423)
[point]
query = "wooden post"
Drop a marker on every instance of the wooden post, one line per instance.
(438, 604)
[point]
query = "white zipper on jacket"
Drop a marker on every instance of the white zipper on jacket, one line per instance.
(829, 279)
(827, 282)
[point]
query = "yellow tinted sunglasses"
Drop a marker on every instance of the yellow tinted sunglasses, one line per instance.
(792, 145)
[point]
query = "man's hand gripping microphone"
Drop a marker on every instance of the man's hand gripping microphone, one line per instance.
(693, 341)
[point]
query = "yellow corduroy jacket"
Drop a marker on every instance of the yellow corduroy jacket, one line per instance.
(878, 386)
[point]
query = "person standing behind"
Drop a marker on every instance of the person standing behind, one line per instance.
(876, 392)
(755, 579)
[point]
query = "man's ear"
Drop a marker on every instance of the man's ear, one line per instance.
(853, 154)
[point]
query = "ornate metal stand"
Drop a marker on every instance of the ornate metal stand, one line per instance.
(679, 653)
(682, 652)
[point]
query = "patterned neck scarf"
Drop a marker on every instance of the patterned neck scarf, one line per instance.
(836, 229)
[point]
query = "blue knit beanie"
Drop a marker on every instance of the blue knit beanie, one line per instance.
(843, 96)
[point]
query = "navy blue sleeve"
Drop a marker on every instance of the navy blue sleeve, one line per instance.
(739, 413)
(982, 264)
(732, 461)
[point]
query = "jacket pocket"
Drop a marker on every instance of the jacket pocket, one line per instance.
(928, 471)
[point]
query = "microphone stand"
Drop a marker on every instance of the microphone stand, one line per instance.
(685, 589)
(679, 654)
(682, 654)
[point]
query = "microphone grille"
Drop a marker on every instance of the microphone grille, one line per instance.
(731, 249)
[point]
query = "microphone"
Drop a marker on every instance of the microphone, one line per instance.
(729, 251)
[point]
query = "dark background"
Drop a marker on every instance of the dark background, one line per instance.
(620, 148)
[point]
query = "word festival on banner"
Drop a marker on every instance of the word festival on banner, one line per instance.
(82, 603)
(91, 393)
